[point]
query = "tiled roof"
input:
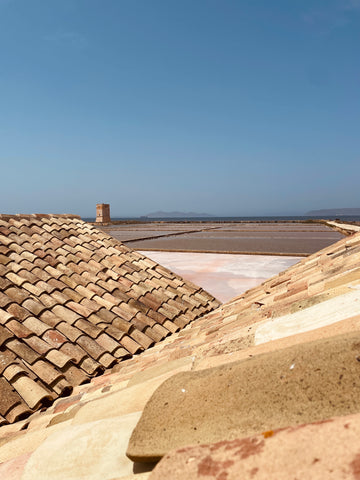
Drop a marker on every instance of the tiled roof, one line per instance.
(287, 352)
(73, 302)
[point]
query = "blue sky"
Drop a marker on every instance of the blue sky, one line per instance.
(219, 106)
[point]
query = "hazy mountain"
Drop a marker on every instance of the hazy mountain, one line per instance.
(335, 212)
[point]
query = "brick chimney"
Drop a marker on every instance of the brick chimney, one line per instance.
(103, 213)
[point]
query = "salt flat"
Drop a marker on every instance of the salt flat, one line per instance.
(223, 275)
(292, 238)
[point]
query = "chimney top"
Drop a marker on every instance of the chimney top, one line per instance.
(103, 213)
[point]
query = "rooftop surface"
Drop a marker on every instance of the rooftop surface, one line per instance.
(74, 302)
(265, 386)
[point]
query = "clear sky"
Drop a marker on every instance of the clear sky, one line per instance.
(230, 107)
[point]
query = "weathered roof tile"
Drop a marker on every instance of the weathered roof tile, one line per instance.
(32, 393)
(34, 306)
(22, 350)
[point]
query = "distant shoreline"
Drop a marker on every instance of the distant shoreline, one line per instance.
(335, 212)
(264, 219)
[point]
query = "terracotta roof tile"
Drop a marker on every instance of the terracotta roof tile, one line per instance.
(74, 352)
(22, 350)
(38, 345)
(33, 394)
(8, 398)
(130, 345)
(4, 282)
(46, 372)
(54, 338)
(106, 316)
(16, 294)
(18, 329)
(160, 330)
(5, 335)
(36, 326)
(141, 338)
(91, 347)
(47, 300)
(18, 412)
(158, 317)
(6, 359)
(91, 366)
(50, 319)
(87, 327)
(58, 358)
(107, 360)
(33, 306)
(172, 327)
(72, 295)
(66, 314)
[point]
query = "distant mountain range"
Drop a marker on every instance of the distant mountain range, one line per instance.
(161, 214)
(335, 211)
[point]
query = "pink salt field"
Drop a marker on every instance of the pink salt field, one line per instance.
(223, 275)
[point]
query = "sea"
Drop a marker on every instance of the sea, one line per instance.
(347, 218)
